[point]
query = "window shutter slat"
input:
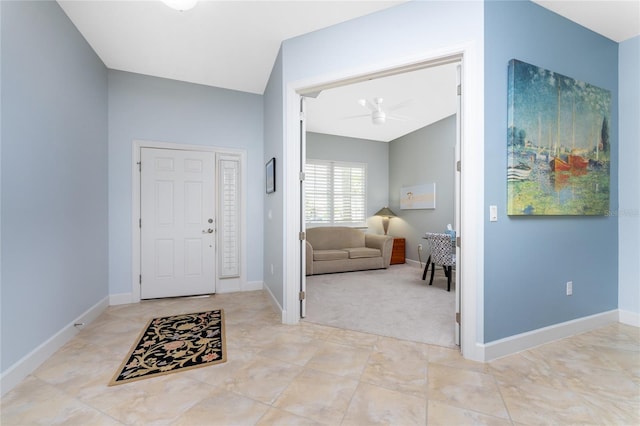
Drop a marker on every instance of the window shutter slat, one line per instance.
(335, 193)
(229, 226)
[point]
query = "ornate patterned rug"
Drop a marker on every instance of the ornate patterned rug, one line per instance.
(175, 343)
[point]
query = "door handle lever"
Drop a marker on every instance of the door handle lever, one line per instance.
(208, 231)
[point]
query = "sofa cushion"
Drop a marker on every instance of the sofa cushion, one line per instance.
(335, 237)
(330, 254)
(359, 252)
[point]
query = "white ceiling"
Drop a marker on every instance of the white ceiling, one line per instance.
(618, 20)
(233, 45)
(227, 44)
(423, 97)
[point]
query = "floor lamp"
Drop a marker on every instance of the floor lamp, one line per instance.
(386, 214)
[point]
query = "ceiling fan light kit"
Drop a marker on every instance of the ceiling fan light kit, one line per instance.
(378, 115)
(180, 5)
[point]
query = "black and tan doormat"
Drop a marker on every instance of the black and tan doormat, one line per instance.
(175, 343)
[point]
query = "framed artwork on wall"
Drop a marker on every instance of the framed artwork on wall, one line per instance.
(418, 196)
(558, 144)
(271, 175)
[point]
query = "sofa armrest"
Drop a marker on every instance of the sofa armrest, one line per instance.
(309, 259)
(384, 243)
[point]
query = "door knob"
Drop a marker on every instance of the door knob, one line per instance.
(208, 231)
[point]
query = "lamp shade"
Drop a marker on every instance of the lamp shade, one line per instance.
(386, 212)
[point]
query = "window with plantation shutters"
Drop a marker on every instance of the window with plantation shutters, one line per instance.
(229, 216)
(335, 193)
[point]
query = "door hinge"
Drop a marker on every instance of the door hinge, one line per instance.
(302, 176)
(459, 89)
(458, 166)
(458, 242)
(139, 163)
(302, 236)
(140, 279)
(458, 317)
(302, 116)
(301, 296)
(140, 223)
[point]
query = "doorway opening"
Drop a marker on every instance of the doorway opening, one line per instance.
(410, 99)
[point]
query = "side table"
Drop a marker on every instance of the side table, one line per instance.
(398, 252)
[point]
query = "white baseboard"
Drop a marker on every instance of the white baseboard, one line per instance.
(415, 263)
(25, 366)
(223, 287)
(520, 342)
(275, 304)
(236, 285)
(629, 318)
(120, 299)
(253, 286)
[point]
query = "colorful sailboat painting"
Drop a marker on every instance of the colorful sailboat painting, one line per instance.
(558, 143)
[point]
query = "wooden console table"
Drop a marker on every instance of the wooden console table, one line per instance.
(398, 252)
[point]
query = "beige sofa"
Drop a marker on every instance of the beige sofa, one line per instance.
(342, 249)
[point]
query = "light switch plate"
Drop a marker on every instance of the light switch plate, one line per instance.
(493, 213)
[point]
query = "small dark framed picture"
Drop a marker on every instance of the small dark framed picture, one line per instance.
(271, 175)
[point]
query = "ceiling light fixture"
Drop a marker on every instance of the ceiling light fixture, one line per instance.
(180, 5)
(378, 115)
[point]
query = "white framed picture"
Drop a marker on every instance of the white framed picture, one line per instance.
(418, 196)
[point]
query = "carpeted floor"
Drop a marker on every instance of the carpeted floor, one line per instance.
(394, 302)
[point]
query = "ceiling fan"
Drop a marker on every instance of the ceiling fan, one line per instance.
(379, 115)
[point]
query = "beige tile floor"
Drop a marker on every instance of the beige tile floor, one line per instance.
(310, 375)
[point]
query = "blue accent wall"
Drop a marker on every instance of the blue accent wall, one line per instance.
(426, 155)
(629, 211)
(274, 252)
(54, 176)
(161, 110)
(528, 260)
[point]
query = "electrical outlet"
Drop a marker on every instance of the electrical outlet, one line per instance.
(419, 247)
(569, 288)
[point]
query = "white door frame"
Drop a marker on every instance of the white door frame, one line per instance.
(472, 182)
(135, 209)
(302, 128)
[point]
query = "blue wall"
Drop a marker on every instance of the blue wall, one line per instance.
(54, 176)
(274, 256)
(161, 110)
(528, 260)
(423, 156)
(629, 211)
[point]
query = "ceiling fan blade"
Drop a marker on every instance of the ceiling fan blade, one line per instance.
(398, 117)
(355, 116)
(368, 104)
(400, 105)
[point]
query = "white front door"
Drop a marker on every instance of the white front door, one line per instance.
(177, 193)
